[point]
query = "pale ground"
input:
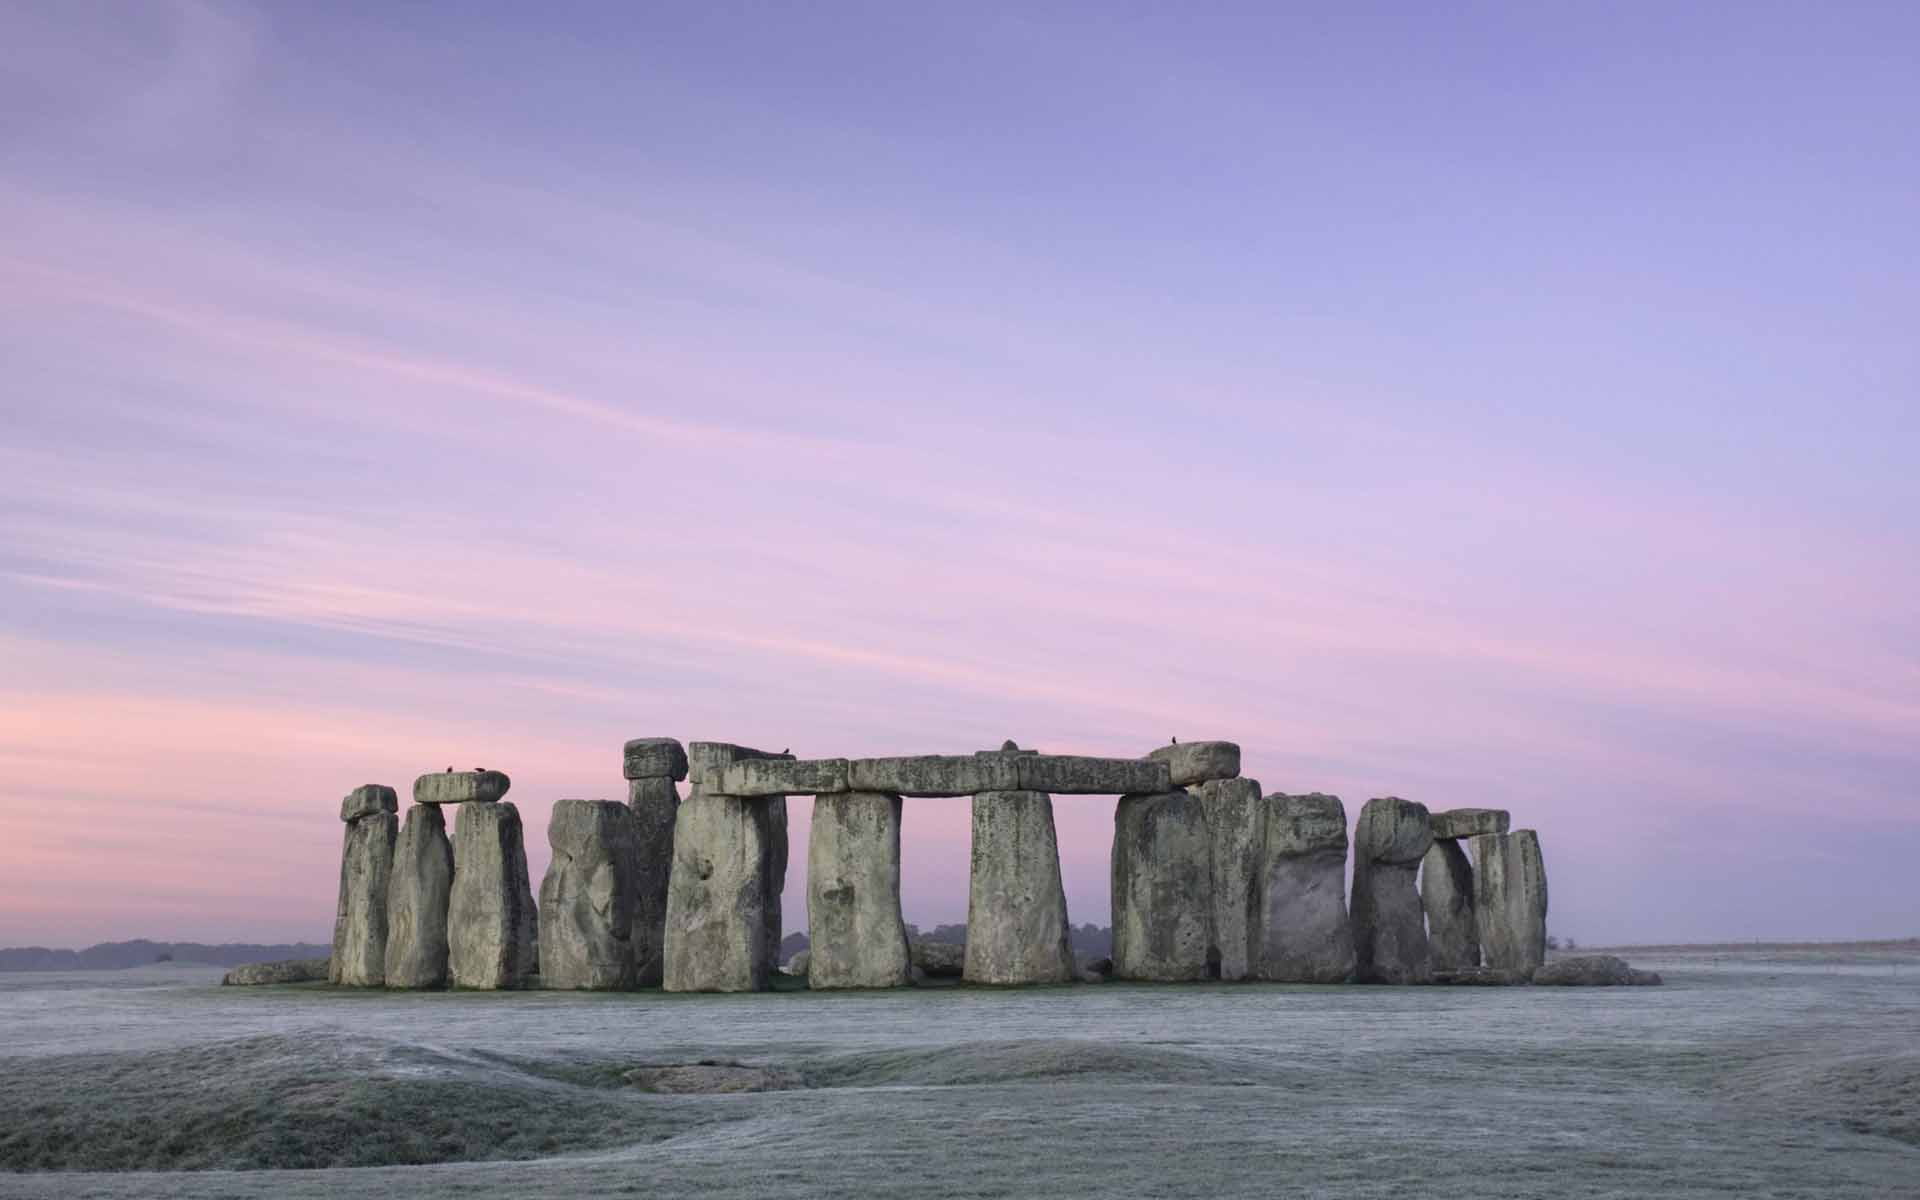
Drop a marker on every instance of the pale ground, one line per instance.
(1767, 1073)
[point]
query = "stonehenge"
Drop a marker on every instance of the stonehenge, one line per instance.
(1211, 879)
(366, 866)
(1389, 924)
(1306, 936)
(587, 897)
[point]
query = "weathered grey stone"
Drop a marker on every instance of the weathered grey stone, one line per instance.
(1389, 925)
(461, 787)
(292, 970)
(1102, 967)
(720, 936)
(856, 936)
(1305, 934)
(800, 964)
(1478, 977)
(941, 960)
(587, 898)
(783, 777)
(1446, 892)
(1017, 929)
(935, 775)
(360, 917)
(492, 926)
(368, 799)
(654, 801)
(1198, 762)
(1510, 900)
(1162, 888)
(1237, 823)
(1593, 970)
(705, 759)
(1469, 822)
(773, 871)
(417, 901)
(653, 758)
(1073, 775)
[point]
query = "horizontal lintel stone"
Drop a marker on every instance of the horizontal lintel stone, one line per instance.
(1199, 762)
(1071, 774)
(461, 787)
(1457, 823)
(654, 758)
(706, 759)
(936, 775)
(368, 799)
(783, 777)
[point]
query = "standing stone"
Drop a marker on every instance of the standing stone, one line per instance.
(1446, 892)
(492, 926)
(417, 901)
(1510, 900)
(856, 936)
(723, 894)
(1389, 926)
(1305, 934)
(1017, 930)
(1162, 888)
(651, 767)
(587, 897)
(1237, 823)
(366, 865)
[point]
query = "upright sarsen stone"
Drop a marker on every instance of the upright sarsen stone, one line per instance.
(366, 867)
(1305, 934)
(1510, 900)
(1237, 824)
(1017, 929)
(417, 900)
(723, 893)
(587, 897)
(1389, 925)
(1446, 892)
(651, 767)
(492, 926)
(856, 936)
(1162, 888)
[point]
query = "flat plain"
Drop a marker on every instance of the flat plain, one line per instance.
(1790, 1071)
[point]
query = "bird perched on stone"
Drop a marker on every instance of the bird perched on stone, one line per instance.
(788, 750)
(449, 770)
(1173, 741)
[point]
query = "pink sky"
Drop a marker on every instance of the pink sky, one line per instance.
(348, 436)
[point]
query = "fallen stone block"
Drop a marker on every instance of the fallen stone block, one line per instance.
(1305, 936)
(1456, 823)
(1446, 892)
(418, 896)
(587, 898)
(366, 867)
(1074, 775)
(654, 758)
(461, 787)
(1162, 888)
(1478, 977)
(856, 936)
(784, 777)
(940, 960)
(1389, 924)
(292, 970)
(1593, 970)
(492, 925)
(1510, 900)
(1017, 929)
(654, 802)
(1198, 762)
(935, 775)
(1237, 823)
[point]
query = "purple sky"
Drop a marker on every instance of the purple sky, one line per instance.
(1498, 406)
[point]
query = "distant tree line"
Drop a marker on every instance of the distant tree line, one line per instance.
(111, 956)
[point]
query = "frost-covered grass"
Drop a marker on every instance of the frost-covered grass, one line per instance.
(1740, 1077)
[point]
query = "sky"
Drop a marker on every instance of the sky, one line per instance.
(1509, 406)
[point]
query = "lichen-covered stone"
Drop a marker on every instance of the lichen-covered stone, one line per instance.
(720, 936)
(1389, 924)
(1446, 892)
(935, 775)
(940, 960)
(1017, 930)
(856, 937)
(653, 758)
(1457, 823)
(461, 787)
(292, 970)
(783, 777)
(368, 799)
(1076, 775)
(1162, 888)
(492, 925)
(655, 802)
(705, 760)
(1510, 900)
(417, 901)
(1189, 763)
(360, 917)
(587, 897)
(1237, 823)
(1305, 934)
(1593, 970)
